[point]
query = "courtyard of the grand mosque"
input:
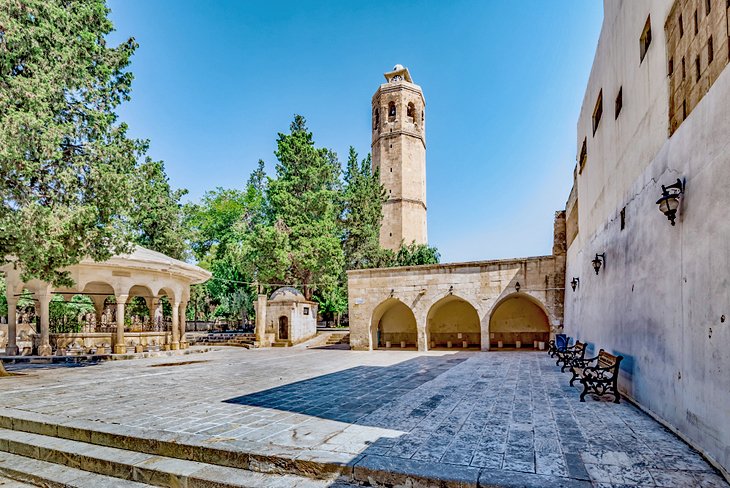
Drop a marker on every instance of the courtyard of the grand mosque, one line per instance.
(327, 416)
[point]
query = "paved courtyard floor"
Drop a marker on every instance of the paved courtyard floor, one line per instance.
(503, 411)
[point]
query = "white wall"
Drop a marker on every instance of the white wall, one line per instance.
(661, 295)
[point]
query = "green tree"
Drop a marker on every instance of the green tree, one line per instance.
(416, 254)
(66, 163)
(302, 215)
(363, 198)
(157, 219)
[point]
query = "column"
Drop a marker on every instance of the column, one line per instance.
(44, 349)
(175, 344)
(261, 319)
(183, 341)
(12, 348)
(119, 346)
(98, 301)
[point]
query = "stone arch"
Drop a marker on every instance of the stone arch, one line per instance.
(518, 317)
(411, 112)
(393, 322)
(392, 112)
(454, 320)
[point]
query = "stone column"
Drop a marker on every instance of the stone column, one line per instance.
(12, 348)
(175, 344)
(182, 309)
(44, 349)
(98, 301)
(119, 346)
(261, 319)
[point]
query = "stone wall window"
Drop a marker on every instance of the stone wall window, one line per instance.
(306, 311)
(597, 112)
(623, 218)
(681, 26)
(670, 67)
(391, 111)
(708, 7)
(376, 118)
(710, 51)
(583, 157)
(411, 112)
(645, 39)
(684, 69)
(698, 71)
(619, 102)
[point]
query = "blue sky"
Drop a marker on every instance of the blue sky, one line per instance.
(503, 80)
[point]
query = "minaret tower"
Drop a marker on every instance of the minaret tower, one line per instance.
(399, 152)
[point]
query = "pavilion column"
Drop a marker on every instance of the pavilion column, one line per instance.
(261, 319)
(119, 346)
(175, 344)
(182, 309)
(44, 349)
(98, 301)
(12, 348)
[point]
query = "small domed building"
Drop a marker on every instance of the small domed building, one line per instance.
(289, 319)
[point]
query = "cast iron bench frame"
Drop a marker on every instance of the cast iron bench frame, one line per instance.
(570, 354)
(601, 378)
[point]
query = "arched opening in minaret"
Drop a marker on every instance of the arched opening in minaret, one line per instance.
(376, 118)
(411, 112)
(391, 111)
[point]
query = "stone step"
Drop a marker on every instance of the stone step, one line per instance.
(134, 466)
(28, 472)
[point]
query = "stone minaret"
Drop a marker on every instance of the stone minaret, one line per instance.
(399, 152)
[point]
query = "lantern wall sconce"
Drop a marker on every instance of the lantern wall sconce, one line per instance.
(451, 290)
(574, 283)
(669, 201)
(392, 293)
(517, 286)
(599, 260)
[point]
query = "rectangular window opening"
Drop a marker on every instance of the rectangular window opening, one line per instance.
(645, 39)
(684, 69)
(697, 24)
(670, 68)
(583, 154)
(597, 112)
(623, 218)
(708, 7)
(710, 51)
(684, 109)
(697, 68)
(619, 102)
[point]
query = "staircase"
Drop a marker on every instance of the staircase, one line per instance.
(246, 340)
(34, 451)
(338, 338)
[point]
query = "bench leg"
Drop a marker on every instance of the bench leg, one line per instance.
(584, 392)
(575, 376)
(617, 396)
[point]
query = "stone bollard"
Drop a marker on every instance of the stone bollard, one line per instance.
(448, 344)
(387, 344)
(500, 344)
(534, 344)
(541, 346)
(464, 344)
(402, 344)
(518, 344)
(433, 345)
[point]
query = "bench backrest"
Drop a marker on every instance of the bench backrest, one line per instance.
(579, 347)
(608, 360)
(561, 341)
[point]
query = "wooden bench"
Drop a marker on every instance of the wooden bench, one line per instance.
(570, 354)
(598, 375)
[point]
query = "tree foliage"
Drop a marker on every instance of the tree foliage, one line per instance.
(66, 162)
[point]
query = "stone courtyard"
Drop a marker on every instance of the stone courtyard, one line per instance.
(483, 419)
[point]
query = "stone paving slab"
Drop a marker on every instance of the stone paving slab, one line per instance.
(503, 415)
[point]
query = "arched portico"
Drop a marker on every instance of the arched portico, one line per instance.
(518, 318)
(394, 324)
(453, 322)
(143, 274)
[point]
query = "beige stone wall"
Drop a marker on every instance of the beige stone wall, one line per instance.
(422, 289)
(301, 326)
(399, 153)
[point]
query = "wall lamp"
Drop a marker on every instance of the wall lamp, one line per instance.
(598, 261)
(451, 290)
(574, 283)
(669, 201)
(392, 293)
(517, 286)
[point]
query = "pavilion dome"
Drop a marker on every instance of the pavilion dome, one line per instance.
(287, 294)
